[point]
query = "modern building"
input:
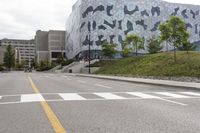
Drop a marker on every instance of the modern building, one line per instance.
(49, 45)
(24, 49)
(112, 20)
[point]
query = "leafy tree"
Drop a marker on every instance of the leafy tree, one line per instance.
(136, 42)
(187, 46)
(109, 49)
(154, 45)
(9, 58)
(174, 31)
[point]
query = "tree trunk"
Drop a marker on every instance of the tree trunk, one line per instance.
(167, 47)
(174, 54)
(136, 50)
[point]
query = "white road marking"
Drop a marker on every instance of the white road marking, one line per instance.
(109, 96)
(142, 95)
(67, 77)
(25, 98)
(7, 103)
(179, 103)
(71, 96)
(146, 96)
(99, 85)
(32, 98)
(191, 93)
(80, 81)
(172, 95)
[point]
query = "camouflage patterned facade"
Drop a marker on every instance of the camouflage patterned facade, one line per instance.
(112, 20)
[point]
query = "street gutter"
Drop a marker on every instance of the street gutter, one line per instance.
(167, 83)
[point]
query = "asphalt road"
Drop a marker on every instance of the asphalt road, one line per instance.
(49, 103)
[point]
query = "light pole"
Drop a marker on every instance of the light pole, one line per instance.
(89, 52)
(62, 56)
(29, 61)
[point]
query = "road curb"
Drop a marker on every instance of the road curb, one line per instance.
(167, 83)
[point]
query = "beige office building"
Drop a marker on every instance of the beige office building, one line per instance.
(49, 45)
(24, 49)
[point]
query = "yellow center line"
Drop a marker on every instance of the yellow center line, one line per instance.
(57, 126)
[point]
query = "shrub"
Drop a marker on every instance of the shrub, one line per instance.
(66, 62)
(43, 66)
(1, 67)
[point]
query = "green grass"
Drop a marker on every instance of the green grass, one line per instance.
(161, 64)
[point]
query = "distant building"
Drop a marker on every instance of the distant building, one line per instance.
(49, 45)
(24, 49)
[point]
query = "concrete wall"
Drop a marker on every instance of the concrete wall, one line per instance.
(56, 40)
(112, 20)
(41, 41)
(42, 56)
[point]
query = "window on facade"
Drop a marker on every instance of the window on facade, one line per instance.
(55, 54)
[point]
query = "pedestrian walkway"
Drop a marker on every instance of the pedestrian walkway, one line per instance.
(29, 98)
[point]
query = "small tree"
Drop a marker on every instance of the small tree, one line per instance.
(174, 31)
(109, 49)
(154, 45)
(187, 46)
(9, 58)
(136, 42)
(126, 50)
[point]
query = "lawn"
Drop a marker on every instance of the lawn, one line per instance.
(161, 64)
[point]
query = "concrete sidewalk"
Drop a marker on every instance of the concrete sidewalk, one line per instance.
(170, 83)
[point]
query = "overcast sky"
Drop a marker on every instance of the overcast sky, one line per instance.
(21, 18)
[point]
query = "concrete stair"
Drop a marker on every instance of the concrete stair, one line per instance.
(77, 67)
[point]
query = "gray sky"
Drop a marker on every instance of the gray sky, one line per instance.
(21, 18)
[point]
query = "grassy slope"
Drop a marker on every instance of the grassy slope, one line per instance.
(161, 64)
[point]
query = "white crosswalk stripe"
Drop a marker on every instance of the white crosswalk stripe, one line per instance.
(71, 96)
(142, 95)
(32, 98)
(109, 96)
(172, 95)
(99, 85)
(191, 93)
(165, 96)
(64, 76)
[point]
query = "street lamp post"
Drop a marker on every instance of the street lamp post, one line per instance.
(62, 56)
(29, 61)
(89, 53)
